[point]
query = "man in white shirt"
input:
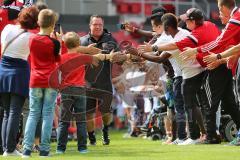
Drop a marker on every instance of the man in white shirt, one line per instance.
(193, 76)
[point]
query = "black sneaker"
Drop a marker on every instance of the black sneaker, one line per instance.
(26, 153)
(105, 138)
(1, 151)
(215, 140)
(92, 139)
(44, 154)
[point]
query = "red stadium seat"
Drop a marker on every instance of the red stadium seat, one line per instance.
(170, 8)
(123, 8)
(148, 9)
(135, 8)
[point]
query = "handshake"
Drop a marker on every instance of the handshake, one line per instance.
(127, 53)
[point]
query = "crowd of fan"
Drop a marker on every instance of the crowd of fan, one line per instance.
(43, 65)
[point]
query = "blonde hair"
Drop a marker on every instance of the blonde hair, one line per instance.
(47, 18)
(71, 40)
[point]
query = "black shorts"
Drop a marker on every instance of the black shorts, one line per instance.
(98, 98)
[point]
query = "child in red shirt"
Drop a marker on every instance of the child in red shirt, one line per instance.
(44, 52)
(73, 101)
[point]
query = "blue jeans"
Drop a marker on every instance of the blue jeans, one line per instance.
(12, 104)
(42, 103)
(72, 106)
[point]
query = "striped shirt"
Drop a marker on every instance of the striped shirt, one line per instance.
(199, 36)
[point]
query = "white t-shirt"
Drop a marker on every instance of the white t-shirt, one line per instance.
(189, 68)
(19, 48)
(164, 38)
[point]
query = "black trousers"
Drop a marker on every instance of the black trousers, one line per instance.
(221, 89)
(12, 104)
(179, 108)
(1, 120)
(237, 84)
(191, 91)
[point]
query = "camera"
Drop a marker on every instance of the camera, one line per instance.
(108, 47)
(121, 26)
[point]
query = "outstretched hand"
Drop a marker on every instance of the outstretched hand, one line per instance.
(91, 49)
(128, 27)
(117, 57)
(212, 57)
(132, 51)
(145, 48)
(188, 54)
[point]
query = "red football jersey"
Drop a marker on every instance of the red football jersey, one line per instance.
(44, 55)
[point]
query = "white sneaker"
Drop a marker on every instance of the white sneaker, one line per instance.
(178, 141)
(25, 156)
(189, 141)
(14, 153)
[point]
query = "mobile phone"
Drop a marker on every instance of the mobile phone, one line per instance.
(57, 28)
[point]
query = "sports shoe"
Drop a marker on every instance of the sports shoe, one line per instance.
(59, 152)
(1, 150)
(44, 154)
(92, 139)
(105, 138)
(26, 153)
(14, 153)
(178, 141)
(126, 135)
(83, 151)
(234, 142)
(189, 141)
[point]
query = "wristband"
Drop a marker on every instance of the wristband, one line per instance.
(219, 56)
(135, 29)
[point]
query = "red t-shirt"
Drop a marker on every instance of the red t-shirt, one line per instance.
(200, 36)
(44, 55)
(63, 48)
(73, 68)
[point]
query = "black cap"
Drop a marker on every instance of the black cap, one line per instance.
(159, 11)
(8, 2)
(192, 14)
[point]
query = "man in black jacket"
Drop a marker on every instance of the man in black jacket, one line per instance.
(99, 77)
